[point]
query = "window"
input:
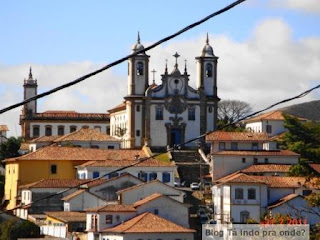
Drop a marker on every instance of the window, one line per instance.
(73, 129)
(234, 146)
(108, 130)
(266, 160)
(222, 145)
(60, 130)
(209, 70)
(143, 176)
(110, 147)
(159, 113)
(48, 130)
(254, 146)
(98, 128)
(36, 131)
(108, 219)
(94, 221)
(152, 176)
(269, 128)
(251, 194)
(94, 146)
(239, 193)
(156, 211)
(244, 216)
(53, 169)
(268, 194)
(306, 192)
(95, 174)
(210, 109)
(138, 133)
(166, 177)
(255, 160)
(243, 160)
(191, 114)
(113, 175)
(138, 108)
(139, 68)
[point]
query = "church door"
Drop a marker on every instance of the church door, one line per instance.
(175, 137)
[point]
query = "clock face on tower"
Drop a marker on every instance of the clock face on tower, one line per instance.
(176, 85)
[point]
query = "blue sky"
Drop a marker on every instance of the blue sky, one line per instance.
(62, 40)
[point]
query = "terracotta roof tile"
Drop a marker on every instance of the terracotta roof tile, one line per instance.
(273, 115)
(239, 177)
(267, 168)
(68, 216)
(24, 146)
(258, 153)
(237, 136)
(120, 107)
(283, 200)
(112, 208)
(86, 134)
(145, 183)
(72, 195)
(147, 199)
(71, 115)
(4, 128)
(55, 183)
(148, 223)
(81, 154)
(44, 139)
(315, 167)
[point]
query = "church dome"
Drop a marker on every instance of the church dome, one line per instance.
(207, 50)
(138, 46)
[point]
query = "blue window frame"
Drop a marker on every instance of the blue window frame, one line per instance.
(152, 176)
(166, 177)
(95, 174)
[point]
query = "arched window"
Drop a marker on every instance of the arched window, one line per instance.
(48, 130)
(140, 68)
(60, 130)
(238, 193)
(251, 194)
(36, 131)
(165, 177)
(152, 176)
(209, 70)
(143, 176)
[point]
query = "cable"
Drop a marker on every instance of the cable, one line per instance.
(303, 94)
(80, 79)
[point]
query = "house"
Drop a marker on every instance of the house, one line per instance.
(146, 170)
(315, 168)
(3, 133)
(54, 123)
(63, 224)
(267, 169)
(297, 207)
(140, 191)
(171, 112)
(271, 123)
(238, 196)
(234, 151)
(147, 226)
(57, 162)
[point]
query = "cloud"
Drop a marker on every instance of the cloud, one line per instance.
(267, 67)
(308, 6)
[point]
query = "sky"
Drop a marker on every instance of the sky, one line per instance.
(268, 50)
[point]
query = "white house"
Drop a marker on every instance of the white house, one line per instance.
(147, 226)
(239, 196)
(140, 191)
(297, 207)
(147, 170)
(267, 169)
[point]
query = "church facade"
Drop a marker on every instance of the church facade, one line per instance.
(170, 113)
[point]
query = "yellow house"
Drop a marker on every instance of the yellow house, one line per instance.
(53, 162)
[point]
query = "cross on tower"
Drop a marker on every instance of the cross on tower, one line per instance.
(153, 72)
(176, 56)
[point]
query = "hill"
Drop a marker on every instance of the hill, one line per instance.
(308, 110)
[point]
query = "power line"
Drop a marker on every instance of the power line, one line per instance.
(80, 79)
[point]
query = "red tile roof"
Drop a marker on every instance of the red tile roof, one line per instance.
(120, 107)
(112, 208)
(148, 223)
(86, 134)
(68, 217)
(273, 115)
(67, 115)
(239, 177)
(74, 194)
(145, 183)
(44, 139)
(257, 153)
(237, 136)
(267, 168)
(81, 154)
(283, 200)
(147, 199)
(4, 128)
(55, 183)
(315, 167)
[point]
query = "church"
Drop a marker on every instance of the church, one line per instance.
(172, 112)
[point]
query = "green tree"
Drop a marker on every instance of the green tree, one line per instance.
(10, 148)
(13, 229)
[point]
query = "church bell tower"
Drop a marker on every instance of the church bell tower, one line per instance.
(30, 88)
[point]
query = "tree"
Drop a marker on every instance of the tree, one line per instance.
(13, 229)
(230, 111)
(10, 148)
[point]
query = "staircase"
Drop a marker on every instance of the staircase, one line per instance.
(190, 165)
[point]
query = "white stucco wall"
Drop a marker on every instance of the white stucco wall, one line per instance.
(84, 201)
